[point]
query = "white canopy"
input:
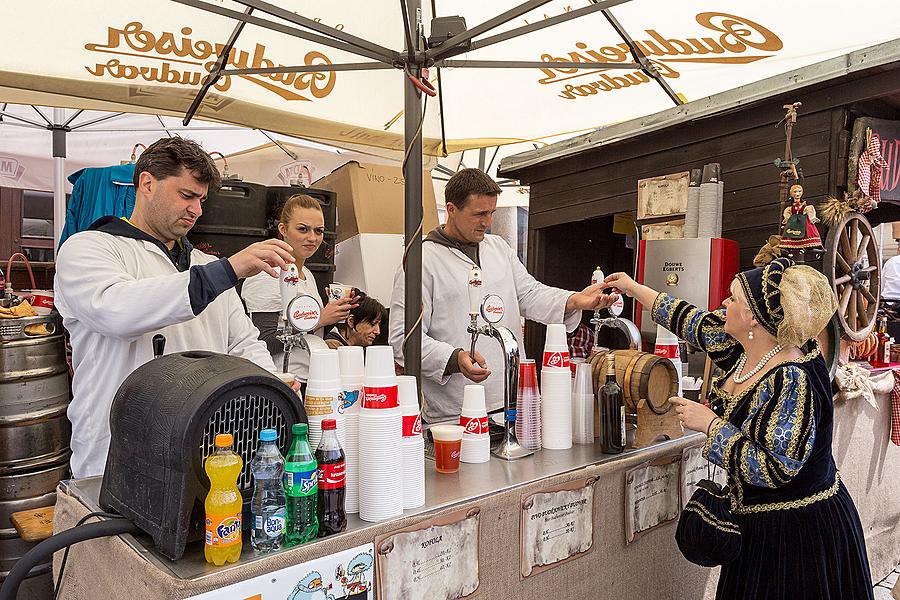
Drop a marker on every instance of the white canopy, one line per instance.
(150, 55)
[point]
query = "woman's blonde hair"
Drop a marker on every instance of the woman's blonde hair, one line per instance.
(297, 201)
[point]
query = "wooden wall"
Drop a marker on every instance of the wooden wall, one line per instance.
(587, 187)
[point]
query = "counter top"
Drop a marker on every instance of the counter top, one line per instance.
(473, 481)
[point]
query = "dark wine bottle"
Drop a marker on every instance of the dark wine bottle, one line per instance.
(612, 411)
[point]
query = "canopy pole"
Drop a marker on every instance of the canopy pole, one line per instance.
(412, 222)
(58, 130)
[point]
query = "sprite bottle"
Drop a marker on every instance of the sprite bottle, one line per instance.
(301, 488)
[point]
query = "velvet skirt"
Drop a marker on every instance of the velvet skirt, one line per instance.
(816, 552)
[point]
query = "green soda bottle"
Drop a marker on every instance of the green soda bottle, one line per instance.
(301, 489)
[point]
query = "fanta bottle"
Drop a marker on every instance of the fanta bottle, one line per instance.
(223, 504)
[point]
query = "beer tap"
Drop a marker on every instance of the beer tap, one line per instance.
(492, 310)
(300, 314)
(615, 321)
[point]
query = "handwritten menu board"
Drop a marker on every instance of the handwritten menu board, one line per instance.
(436, 559)
(556, 524)
(652, 493)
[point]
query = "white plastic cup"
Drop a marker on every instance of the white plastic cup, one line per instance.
(408, 391)
(41, 300)
(556, 335)
(473, 400)
(475, 448)
(352, 361)
(324, 365)
(379, 362)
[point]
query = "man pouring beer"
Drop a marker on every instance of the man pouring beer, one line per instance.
(448, 254)
(125, 280)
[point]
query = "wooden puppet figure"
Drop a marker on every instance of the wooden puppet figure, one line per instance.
(799, 219)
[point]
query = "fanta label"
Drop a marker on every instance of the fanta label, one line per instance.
(300, 483)
(556, 359)
(412, 425)
(332, 476)
(474, 425)
(223, 530)
(380, 397)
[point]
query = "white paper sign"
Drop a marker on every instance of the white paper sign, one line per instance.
(438, 562)
(651, 496)
(344, 574)
(694, 468)
(555, 526)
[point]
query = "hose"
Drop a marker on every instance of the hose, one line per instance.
(44, 550)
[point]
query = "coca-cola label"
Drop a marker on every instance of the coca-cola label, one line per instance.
(556, 359)
(667, 351)
(380, 397)
(42, 301)
(412, 425)
(474, 425)
(331, 476)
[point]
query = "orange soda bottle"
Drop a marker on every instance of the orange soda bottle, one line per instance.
(223, 504)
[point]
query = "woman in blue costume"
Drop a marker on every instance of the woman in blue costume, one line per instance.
(771, 430)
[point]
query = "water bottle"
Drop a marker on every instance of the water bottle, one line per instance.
(267, 508)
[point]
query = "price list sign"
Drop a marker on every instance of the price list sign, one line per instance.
(557, 524)
(437, 559)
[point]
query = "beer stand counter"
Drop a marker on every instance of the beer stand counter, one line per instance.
(493, 496)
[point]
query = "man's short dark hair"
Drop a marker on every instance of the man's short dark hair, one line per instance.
(167, 156)
(468, 182)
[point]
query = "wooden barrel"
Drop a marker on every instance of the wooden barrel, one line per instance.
(641, 375)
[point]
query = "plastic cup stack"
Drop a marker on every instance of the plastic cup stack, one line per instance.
(667, 347)
(413, 444)
(556, 391)
(476, 442)
(556, 350)
(322, 391)
(352, 374)
(528, 406)
(352, 370)
(381, 435)
(583, 406)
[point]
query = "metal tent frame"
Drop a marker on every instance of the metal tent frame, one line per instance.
(415, 57)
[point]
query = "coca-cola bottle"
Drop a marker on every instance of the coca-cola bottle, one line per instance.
(330, 457)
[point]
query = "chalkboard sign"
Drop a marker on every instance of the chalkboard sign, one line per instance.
(889, 133)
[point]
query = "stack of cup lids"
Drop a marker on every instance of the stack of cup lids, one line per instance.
(476, 442)
(352, 370)
(667, 347)
(380, 438)
(413, 444)
(583, 406)
(556, 391)
(528, 406)
(322, 390)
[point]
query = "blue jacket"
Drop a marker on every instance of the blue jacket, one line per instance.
(98, 192)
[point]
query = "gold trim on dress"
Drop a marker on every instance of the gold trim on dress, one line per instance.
(738, 507)
(710, 519)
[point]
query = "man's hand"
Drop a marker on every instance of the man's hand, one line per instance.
(476, 370)
(268, 256)
(337, 311)
(590, 298)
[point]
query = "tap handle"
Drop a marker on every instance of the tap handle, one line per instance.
(159, 345)
(474, 290)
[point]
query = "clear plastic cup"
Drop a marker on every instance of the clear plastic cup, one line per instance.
(447, 446)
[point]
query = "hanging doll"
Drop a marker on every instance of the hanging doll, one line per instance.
(799, 220)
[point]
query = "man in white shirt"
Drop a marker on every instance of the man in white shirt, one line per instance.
(125, 280)
(890, 277)
(448, 254)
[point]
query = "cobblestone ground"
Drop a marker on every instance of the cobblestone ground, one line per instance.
(884, 587)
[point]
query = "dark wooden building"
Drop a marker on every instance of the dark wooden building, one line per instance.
(578, 185)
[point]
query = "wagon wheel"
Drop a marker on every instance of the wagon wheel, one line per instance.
(853, 266)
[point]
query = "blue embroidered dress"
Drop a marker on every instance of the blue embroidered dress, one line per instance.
(801, 535)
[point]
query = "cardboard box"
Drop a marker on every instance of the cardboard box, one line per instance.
(370, 199)
(368, 261)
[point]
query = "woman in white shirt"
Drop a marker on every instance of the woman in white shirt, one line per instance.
(302, 225)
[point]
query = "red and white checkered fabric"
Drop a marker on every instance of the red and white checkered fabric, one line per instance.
(871, 164)
(895, 408)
